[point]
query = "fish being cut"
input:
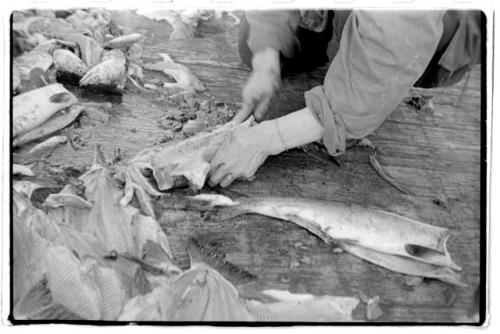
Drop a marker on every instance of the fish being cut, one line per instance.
(416, 248)
(33, 108)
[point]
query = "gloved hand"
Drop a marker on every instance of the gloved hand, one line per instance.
(247, 148)
(244, 152)
(261, 86)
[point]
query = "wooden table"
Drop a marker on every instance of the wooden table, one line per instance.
(436, 156)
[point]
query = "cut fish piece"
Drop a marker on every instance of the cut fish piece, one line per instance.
(69, 285)
(182, 75)
(302, 307)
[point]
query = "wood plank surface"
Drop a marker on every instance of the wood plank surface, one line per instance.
(436, 156)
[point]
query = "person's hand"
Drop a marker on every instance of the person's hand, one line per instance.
(243, 152)
(261, 86)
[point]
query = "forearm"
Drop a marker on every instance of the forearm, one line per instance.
(293, 130)
(267, 60)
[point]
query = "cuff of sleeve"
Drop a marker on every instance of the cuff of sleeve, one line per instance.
(334, 136)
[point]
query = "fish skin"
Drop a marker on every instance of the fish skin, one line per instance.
(48, 144)
(33, 108)
(56, 122)
(367, 228)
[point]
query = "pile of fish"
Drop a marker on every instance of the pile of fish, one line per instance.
(85, 255)
(184, 22)
(80, 47)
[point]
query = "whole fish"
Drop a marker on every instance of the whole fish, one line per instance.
(48, 144)
(415, 247)
(56, 122)
(122, 41)
(33, 108)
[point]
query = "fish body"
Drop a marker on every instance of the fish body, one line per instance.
(48, 144)
(405, 245)
(33, 108)
(108, 75)
(56, 122)
(67, 63)
(122, 41)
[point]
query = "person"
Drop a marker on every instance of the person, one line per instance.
(375, 58)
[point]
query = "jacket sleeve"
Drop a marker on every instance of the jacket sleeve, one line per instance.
(381, 55)
(273, 29)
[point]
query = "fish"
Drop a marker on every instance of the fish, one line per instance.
(398, 243)
(180, 163)
(68, 64)
(146, 229)
(109, 286)
(48, 144)
(203, 294)
(22, 170)
(109, 75)
(69, 284)
(51, 45)
(200, 252)
(38, 304)
(182, 75)
(23, 65)
(90, 50)
(56, 122)
(302, 307)
(33, 108)
(122, 41)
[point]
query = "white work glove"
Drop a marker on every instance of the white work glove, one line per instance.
(244, 152)
(261, 86)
